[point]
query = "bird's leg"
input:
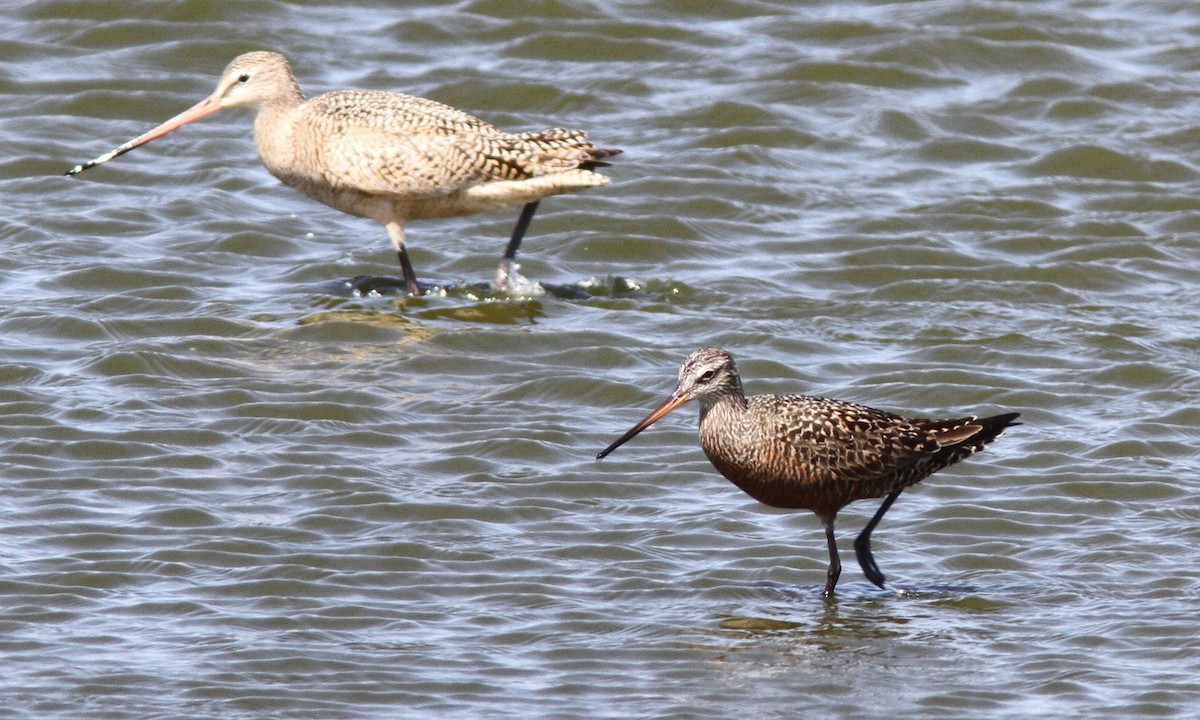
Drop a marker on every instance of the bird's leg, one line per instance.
(396, 233)
(500, 281)
(862, 544)
(410, 277)
(835, 562)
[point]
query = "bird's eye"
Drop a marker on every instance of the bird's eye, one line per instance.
(708, 375)
(244, 77)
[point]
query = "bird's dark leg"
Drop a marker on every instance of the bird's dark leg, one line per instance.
(396, 233)
(862, 544)
(500, 282)
(835, 562)
(410, 277)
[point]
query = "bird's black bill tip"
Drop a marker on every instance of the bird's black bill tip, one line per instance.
(672, 402)
(81, 167)
(620, 441)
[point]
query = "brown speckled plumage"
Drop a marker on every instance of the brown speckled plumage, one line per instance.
(393, 157)
(797, 451)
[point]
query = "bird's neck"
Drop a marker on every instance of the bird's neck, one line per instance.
(729, 407)
(283, 102)
(274, 128)
(279, 100)
(728, 434)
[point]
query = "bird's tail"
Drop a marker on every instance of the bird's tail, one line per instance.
(572, 144)
(964, 437)
(994, 427)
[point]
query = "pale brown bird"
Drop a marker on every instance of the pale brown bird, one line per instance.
(796, 451)
(392, 157)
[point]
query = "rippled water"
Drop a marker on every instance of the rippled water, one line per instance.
(234, 489)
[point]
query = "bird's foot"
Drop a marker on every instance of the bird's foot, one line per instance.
(511, 282)
(504, 275)
(831, 579)
(862, 549)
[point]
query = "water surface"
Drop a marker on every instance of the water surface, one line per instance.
(234, 489)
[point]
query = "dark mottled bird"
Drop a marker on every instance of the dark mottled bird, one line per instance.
(796, 451)
(392, 157)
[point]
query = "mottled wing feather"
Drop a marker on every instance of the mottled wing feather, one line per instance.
(849, 443)
(357, 108)
(405, 165)
(410, 147)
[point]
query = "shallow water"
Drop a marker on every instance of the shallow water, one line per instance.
(233, 488)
